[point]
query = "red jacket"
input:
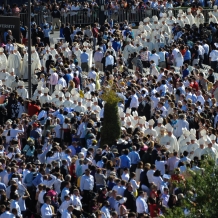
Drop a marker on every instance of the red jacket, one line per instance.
(33, 109)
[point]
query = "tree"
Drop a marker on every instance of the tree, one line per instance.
(111, 128)
(201, 194)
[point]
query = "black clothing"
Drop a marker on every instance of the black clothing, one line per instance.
(131, 201)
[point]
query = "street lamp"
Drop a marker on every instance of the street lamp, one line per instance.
(29, 49)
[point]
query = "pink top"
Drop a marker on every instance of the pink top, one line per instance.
(54, 79)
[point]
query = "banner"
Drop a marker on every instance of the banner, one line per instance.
(10, 23)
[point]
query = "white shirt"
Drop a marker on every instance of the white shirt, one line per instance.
(150, 174)
(200, 98)
(134, 102)
(76, 202)
(160, 165)
(141, 205)
(57, 186)
(92, 75)
(214, 55)
(106, 212)
(14, 204)
(62, 81)
(46, 211)
(66, 214)
(40, 197)
(154, 57)
(49, 183)
(109, 60)
(65, 204)
(57, 130)
(7, 214)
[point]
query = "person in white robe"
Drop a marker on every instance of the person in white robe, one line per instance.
(95, 107)
(24, 69)
(151, 131)
(110, 49)
(185, 143)
(78, 53)
(61, 100)
(22, 92)
(159, 125)
(213, 139)
(14, 62)
(38, 93)
(80, 108)
(215, 11)
(35, 61)
(190, 17)
(53, 51)
(4, 76)
(68, 103)
(212, 18)
(198, 152)
(170, 141)
(128, 49)
(11, 78)
(87, 46)
(18, 69)
(185, 19)
(46, 56)
(45, 98)
(3, 60)
(199, 18)
(192, 147)
(209, 150)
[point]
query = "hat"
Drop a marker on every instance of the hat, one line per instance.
(122, 114)
(1, 49)
(146, 20)
(180, 11)
(46, 90)
(33, 48)
(203, 132)
(67, 95)
(52, 46)
(193, 131)
(188, 140)
(85, 44)
(88, 104)
(208, 141)
(201, 141)
(160, 120)
(20, 83)
(155, 18)
(189, 10)
(123, 200)
(143, 35)
(142, 120)
(109, 43)
(81, 114)
(198, 11)
(212, 137)
(79, 100)
(35, 125)
(151, 122)
(87, 95)
(58, 87)
(169, 128)
(215, 7)
(192, 137)
(95, 100)
(166, 176)
(128, 111)
(61, 95)
(9, 121)
(135, 114)
(170, 12)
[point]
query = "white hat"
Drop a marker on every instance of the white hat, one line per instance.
(128, 111)
(15, 47)
(143, 35)
(20, 83)
(180, 11)
(47, 48)
(188, 139)
(61, 95)
(79, 100)
(193, 131)
(203, 132)
(39, 88)
(85, 44)
(147, 37)
(89, 104)
(161, 14)
(155, 18)
(46, 90)
(95, 100)
(189, 10)
(87, 95)
(109, 43)
(52, 46)
(84, 151)
(201, 141)
(192, 137)
(33, 48)
(128, 39)
(151, 122)
(67, 95)
(1, 49)
(128, 120)
(208, 141)
(140, 23)
(212, 137)
(146, 20)
(135, 114)
(209, 13)
(58, 87)
(166, 176)
(169, 128)
(160, 120)
(164, 15)
(215, 7)
(198, 11)
(122, 114)
(142, 120)
(123, 200)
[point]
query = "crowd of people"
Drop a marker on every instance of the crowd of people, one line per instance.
(52, 161)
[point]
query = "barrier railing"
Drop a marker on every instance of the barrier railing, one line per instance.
(89, 17)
